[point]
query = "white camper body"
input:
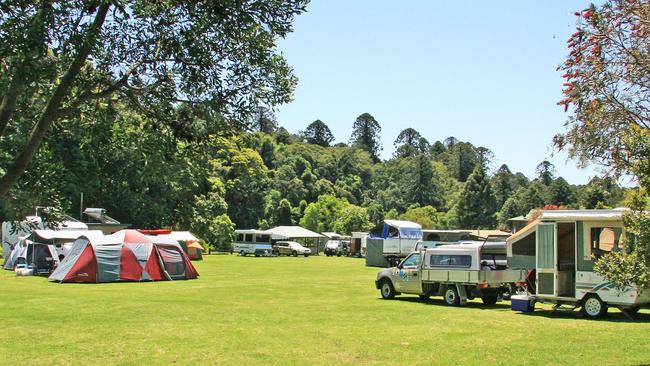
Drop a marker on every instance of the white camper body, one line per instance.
(562, 247)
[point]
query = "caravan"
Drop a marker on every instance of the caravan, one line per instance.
(560, 248)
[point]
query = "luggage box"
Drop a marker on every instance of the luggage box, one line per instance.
(523, 303)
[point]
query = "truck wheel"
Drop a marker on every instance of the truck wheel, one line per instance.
(593, 307)
(306, 255)
(489, 299)
(451, 296)
(294, 253)
(387, 290)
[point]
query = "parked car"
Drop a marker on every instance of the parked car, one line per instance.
(291, 248)
(335, 247)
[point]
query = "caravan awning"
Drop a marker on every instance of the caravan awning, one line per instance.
(63, 234)
(292, 232)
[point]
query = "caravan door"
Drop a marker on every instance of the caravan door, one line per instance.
(546, 259)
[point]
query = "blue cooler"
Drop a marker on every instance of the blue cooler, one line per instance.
(522, 303)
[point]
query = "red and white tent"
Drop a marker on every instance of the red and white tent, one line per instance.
(124, 256)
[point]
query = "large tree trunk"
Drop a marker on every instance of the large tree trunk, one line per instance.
(52, 109)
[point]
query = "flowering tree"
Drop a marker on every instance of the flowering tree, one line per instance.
(607, 88)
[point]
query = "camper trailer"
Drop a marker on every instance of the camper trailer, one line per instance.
(257, 242)
(391, 241)
(560, 248)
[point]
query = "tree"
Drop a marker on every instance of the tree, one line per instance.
(365, 135)
(560, 192)
(502, 185)
(263, 120)
(545, 172)
(352, 218)
(606, 87)
(60, 59)
(477, 204)
(409, 142)
(284, 213)
(318, 133)
(426, 216)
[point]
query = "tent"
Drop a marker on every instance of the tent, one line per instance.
(124, 256)
(188, 242)
(42, 257)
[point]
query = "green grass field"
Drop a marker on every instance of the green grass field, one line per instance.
(290, 311)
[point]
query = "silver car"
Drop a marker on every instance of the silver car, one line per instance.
(291, 248)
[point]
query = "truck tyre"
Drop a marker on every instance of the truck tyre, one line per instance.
(489, 299)
(306, 255)
(593, 307)
(387, 290)
(451, 296)
(294, 253)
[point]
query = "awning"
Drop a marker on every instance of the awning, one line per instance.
(195, 244)
(292, 232)
(63, 234)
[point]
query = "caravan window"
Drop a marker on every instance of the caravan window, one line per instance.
(605, 239)
(248, 238)
(263, 239)
(240, 237)
(411, 233)
(438, 260)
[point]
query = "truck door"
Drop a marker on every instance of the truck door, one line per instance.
(408, 273)
(546, 259)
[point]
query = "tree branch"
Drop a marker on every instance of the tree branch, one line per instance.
(52, 109)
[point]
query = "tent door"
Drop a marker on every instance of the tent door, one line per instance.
(546, 259)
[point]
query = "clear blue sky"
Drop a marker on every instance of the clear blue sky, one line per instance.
(484, 72)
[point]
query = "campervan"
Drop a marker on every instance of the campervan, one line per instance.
(560, 248)
(256, 242)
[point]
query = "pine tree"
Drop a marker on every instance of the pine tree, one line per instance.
(365, 135)
(318, 133)
(477, 204)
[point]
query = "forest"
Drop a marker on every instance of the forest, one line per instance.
(255, 174)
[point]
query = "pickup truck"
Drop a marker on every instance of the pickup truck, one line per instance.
(456, 272)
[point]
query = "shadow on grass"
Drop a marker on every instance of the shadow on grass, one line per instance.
(614, 317)
(439, 302)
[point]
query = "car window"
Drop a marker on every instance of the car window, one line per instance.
(412, 261)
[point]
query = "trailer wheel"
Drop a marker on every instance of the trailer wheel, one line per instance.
(451, 296)
(387, 290)
(489, 299)
(241, 253)
(593, 307)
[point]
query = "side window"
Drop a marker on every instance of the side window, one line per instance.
(240, 237)
(263, 239)
(604, 240)
(451, 260)
(248, 238)
(412, 261)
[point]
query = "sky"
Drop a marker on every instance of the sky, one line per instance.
(483, 72)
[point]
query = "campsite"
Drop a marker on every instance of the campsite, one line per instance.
(316, 311)
(324, 182)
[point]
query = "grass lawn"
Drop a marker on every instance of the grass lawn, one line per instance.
(290, 311)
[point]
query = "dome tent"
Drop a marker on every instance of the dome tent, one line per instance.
(124, 256)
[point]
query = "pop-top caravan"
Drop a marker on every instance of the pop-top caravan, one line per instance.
(560, 249)
(391, 241)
